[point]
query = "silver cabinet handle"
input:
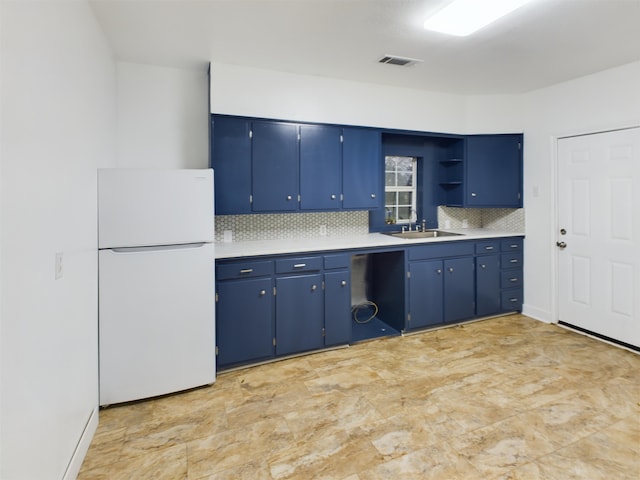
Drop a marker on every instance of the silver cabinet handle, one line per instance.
(513, 260)
(313, 288)
(343, 283)
(515, 245)
(451, 269)
(373, 195)
(246, 270)
(483, 266)
(289, 197)
(438, 271)
(561, 245)
(333, 197)
(488, 248)
(474, 194)
(513, 299)
(300, 265)
(263, 293)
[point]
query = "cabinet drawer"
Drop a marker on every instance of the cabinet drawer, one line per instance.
(511, 278)
(246, 269)
(491, 246)
(456, 249)
(337, 261)
(298, 264)
(510, 260)
(511, 245)
(511, 300)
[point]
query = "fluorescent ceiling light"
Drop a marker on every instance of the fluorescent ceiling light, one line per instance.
(463, 17)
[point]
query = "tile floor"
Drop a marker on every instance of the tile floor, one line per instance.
(505, 398)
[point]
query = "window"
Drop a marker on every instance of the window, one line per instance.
(400, 189)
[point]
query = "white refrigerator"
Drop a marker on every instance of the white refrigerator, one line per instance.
(156, 269)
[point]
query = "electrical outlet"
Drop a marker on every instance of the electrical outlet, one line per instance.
(323, 230)
(58, 268)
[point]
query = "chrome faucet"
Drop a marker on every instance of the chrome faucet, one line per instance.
(424, 225)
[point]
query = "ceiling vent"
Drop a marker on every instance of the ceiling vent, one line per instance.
(400, 61)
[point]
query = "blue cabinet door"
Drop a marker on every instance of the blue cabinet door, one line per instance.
(361, 169)
(275, 166)
(493, 171)
(487, 285)
(231, 160)
(459, 289)
(426, 288)
(299, 313)
(320, 167)
(244, 321)
(337, 307)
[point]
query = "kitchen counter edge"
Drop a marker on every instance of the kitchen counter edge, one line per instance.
(256, 248)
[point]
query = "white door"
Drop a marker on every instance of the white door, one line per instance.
(599, 233)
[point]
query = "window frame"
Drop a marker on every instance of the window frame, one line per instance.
(397, 189)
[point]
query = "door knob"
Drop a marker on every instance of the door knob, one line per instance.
(561, 245)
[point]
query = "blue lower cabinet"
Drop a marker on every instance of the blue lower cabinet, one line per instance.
(337, 308)
(512, 300)
(426, 289)
(488, 285)
(244, 321)
(299, 313)
(459, 289)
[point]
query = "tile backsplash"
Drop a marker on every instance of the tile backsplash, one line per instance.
(505, 219)
(292, 225)
(309, 225)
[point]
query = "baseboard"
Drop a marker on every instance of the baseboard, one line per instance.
(82, 447)
(537, 313)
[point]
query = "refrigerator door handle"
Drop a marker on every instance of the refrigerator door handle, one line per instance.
(157, 248)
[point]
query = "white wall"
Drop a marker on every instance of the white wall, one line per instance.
(58, 126)
(603, 101)
(256, 92)
(163, 117)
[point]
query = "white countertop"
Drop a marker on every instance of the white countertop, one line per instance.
(317, 244)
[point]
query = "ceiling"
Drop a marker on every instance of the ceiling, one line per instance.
(542, 43)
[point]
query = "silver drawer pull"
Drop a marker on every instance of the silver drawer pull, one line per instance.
(438, 271)
(373, 195)
(246, 270)
(300, 265)
(343, 283)
(288, 197)
(263, 293)
(451, 269)
(488, 248)
(333, 197)
(483, 266)
(513, 279)
(513, 299)
(513, 260)
(313, 288)
(515, 245)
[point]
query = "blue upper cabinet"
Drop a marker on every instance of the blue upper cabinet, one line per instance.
(274, 161)
(361, 169)
(493, 176)
(320, 167)
(231, 160)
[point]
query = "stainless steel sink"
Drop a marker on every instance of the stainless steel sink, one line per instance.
(425, 234)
